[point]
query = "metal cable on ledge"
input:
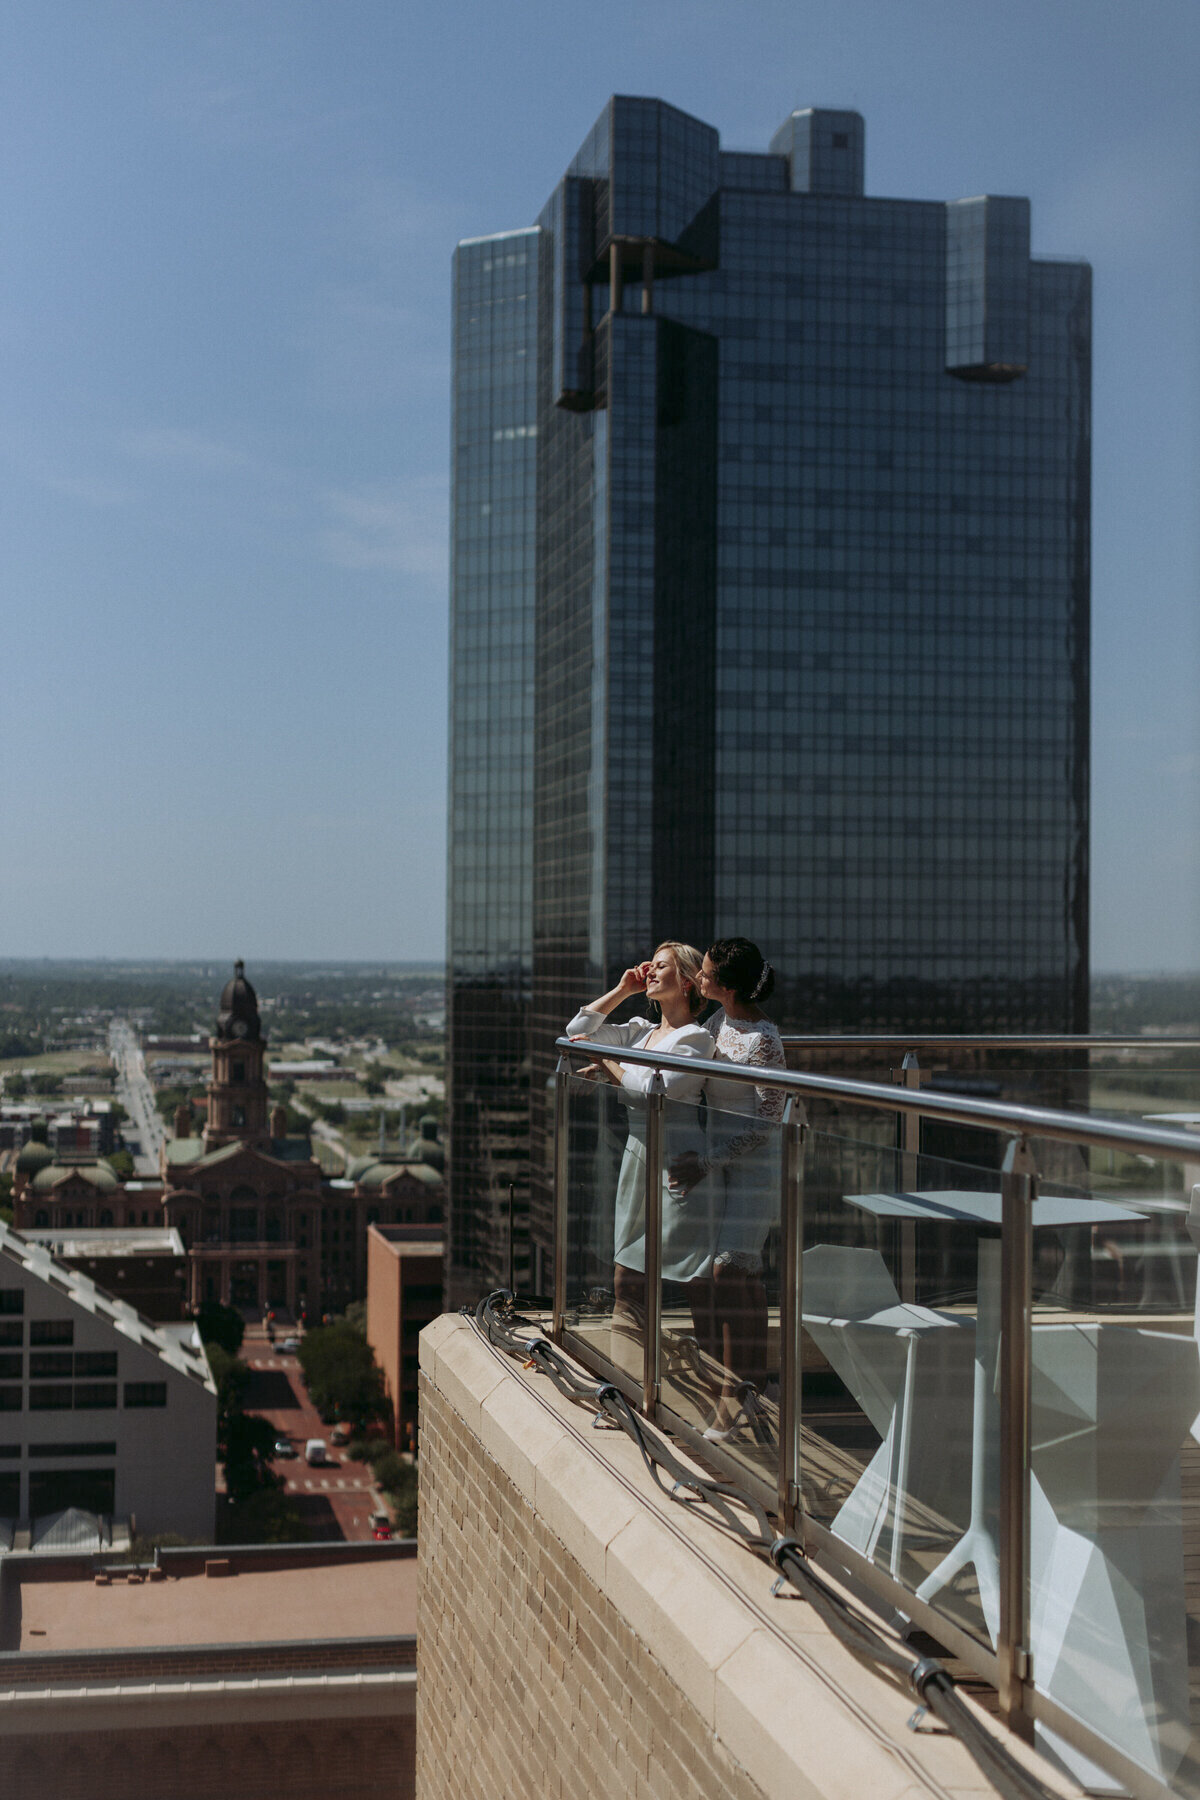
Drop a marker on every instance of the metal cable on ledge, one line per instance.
(932, 1684)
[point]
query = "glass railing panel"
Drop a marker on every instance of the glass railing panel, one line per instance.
(1141, 1083)
(605, 1300)
(899, 1399)
(1115, 1479)
(719, 1359)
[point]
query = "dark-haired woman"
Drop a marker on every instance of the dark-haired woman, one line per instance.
(742, 1153)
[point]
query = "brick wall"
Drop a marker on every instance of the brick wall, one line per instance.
(213, 1662)
(580, 1634)
(356, 1759)
(530, 1681)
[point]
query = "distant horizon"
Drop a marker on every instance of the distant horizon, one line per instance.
(331, 964)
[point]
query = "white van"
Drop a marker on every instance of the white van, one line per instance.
(314, 1451)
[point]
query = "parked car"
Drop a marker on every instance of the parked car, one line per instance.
(290, 1345)
(340, 1434)
(314, 1452)
(381, 1534)
(284, 1447)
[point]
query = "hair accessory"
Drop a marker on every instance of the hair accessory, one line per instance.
(761, 983)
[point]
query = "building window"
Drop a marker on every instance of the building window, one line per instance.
(52, 1331)
(11, 1365)
(95, 1396)
(145, 1393)
(96, 1362)
(50, 1399)
(10, 1399)
(48, 1364)
(10, 1450)
(53, 1490)
(239, 1076)
(12, 1300)
(239, 1115)
(90, 1447)
(11, 1332)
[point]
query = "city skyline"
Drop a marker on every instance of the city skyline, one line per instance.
(226, 437)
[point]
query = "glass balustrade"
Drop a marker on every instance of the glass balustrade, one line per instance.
(703, 1235)
(720, 1352)
(606, 1223)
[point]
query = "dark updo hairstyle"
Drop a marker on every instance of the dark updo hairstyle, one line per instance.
(741, 966)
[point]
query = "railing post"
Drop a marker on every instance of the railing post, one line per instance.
(793, 1131)
(562, 1163)
(655, 1103)
(910, 1144)
(1018, 1188)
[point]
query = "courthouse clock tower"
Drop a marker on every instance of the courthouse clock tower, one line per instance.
(237, 1092)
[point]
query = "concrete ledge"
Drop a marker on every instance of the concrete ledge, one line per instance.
(460, 1365)
(791, 1734)
(691, 1622)
(582, 1503)
(164, 1705)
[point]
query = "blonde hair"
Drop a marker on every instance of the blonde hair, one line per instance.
(689, 961)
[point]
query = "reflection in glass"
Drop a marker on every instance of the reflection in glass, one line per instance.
(720, 1333)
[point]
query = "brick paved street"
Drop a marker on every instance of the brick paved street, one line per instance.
(335, 1501)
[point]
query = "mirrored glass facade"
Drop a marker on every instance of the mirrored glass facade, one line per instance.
(810, 603)
(489, 900)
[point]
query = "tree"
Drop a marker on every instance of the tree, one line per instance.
(16, 1086)
(232, 1378)
(355, 1316)
(264, 1517)
(121, 1164)
(246, 1444)
(342, 1375)
(221, 1325)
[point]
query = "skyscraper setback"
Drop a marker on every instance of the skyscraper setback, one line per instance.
(770, 612)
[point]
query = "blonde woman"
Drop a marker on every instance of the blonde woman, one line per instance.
(670, 981)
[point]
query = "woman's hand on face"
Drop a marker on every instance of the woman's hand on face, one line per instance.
(634, 980)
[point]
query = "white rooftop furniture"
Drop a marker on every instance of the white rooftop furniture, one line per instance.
(1112, 1404)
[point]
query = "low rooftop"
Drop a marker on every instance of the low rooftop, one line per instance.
(56, 1605)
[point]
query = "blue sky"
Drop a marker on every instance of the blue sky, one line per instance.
(224, 322)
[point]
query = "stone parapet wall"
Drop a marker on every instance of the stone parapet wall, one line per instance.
(580, 1635)
(530, 1681)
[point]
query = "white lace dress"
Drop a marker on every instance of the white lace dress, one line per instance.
(743, 1139)
(689, 1223)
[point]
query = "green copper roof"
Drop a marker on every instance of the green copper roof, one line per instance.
(97, 1175)
(181, 1151)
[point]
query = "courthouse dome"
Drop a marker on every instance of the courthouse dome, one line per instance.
(34, 1156)
(238, 1016)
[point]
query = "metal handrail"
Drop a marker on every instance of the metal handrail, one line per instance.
(1013, 1040)
(953, 1109)
(1008, 1666)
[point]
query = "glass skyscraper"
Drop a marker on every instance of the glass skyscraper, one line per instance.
(778, 621)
